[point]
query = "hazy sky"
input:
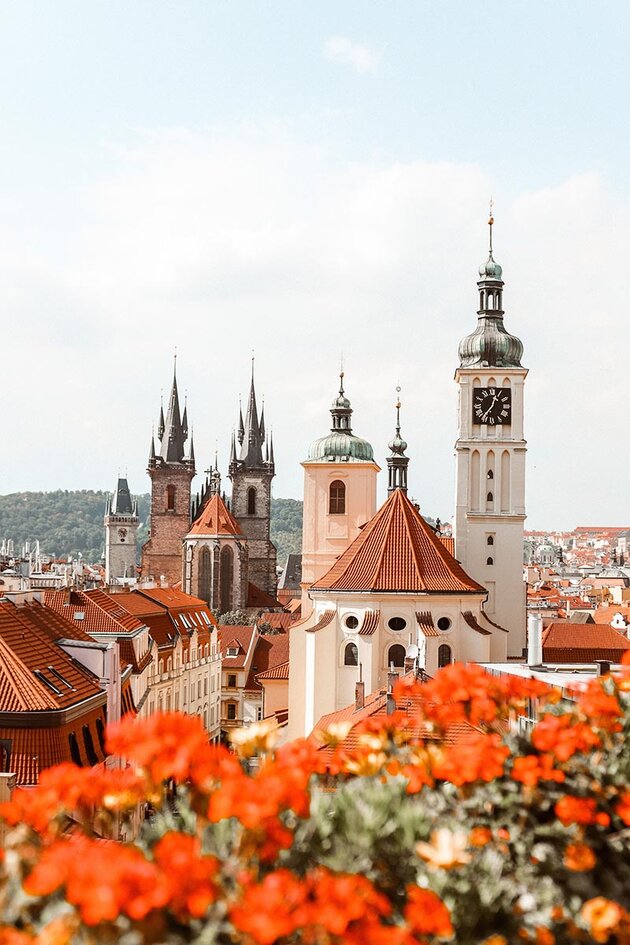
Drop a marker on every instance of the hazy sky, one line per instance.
(303, 178)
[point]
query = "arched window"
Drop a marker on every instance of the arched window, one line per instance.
(205, 574)
(170, 498)
(89, 745)
(444, 655)
(396, 655)
(227, 580)
(490, 474)
(251, 501)
(100, 731)
(490, 497)
(489, 560)
(75, 754)
(337, 498)
(351, 655)
(490, 540)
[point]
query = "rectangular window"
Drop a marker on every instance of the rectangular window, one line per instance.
(231, 680)
(205, 686)
(231, 711)
(259, 714)
(199, 689)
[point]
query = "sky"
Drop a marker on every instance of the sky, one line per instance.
(304, 180)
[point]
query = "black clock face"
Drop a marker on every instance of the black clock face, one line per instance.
(492, 405)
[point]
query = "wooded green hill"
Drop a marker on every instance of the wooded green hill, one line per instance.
(69, 523)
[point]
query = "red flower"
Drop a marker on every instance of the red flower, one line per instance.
(189, 873)
(600, 707)
(267, 911)
(480, 758)
(165, 745)
(563, 736)
(623, 807)
(580, 810)
(530, 769)
(426, 914)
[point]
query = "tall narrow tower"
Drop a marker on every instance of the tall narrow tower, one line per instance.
(252, 470)
(339, 493)
(171, 470)
(121, 531)
(490, 458)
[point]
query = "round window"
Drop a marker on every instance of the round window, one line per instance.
(444, 623)
(397, 623)
(352, 622)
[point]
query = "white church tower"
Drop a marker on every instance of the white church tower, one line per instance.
(490, 459)
(121, 531)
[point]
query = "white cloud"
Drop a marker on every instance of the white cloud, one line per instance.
(225, 241)
(357, 55)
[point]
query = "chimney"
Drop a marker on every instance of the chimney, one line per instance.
(534, 640)
(359, 695)
(392, 679)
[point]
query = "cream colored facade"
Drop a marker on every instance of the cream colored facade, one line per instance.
(325, 536)
(490, 499)
(188, 680)
(319, 679)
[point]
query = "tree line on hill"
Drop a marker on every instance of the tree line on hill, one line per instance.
(70, 523)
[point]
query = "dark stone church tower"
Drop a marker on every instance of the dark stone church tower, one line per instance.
(171, 470)
(251, 471)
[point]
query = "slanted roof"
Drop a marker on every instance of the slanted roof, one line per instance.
(398, 552)
(270, 650)
(256, 597)
(101, 613)
(215, 519)
(239, 636)
(292, 573)
(281, 671)
(582, 643)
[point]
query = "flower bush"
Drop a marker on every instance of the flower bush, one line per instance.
(439, 824)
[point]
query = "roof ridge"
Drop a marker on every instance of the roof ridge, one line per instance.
(407, 506)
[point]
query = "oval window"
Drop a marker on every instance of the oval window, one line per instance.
(444, 624)
(397, 623)
(352, 622)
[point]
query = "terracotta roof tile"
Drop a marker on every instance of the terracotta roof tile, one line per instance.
(471, 620)
(425, 622)
(582, 643)
(215, 519)
(323, 621)
(270, 650)
(256, 597)
(281, 671)
(370, 623)
(449, 543)
(238, 636)
(100, 613)
(398, 551)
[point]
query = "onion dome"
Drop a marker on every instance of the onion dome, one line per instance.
(490, 344)
(341, 445)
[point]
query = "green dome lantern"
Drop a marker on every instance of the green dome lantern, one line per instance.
(341, 445)
(490, 344)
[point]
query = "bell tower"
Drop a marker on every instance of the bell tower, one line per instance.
(171, 469)
(490, 458)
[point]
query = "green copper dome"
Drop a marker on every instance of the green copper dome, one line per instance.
(341, 445)
(490, 344)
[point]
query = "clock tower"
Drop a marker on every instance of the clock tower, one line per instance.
(490, 459)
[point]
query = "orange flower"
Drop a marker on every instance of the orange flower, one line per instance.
(480, 758)
(530, 769)
(602, 917)
(164, 745)
(426, 914)
(580, 810)
(102, 878)
(579, 857)
(544, 936)
(599, 706)
(563, 736)
(479, 836)
(267, 911)
(623, 807)
(189, 874)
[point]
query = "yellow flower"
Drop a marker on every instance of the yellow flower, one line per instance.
(336, 733)
(602, 916)
(254, 738)
(446, 850)
(366, 763)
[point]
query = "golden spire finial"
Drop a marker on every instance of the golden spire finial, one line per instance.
(491, 221)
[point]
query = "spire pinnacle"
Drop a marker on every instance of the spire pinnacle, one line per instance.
(491, 222)
(397, 462)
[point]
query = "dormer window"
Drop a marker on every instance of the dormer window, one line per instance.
(232, 651)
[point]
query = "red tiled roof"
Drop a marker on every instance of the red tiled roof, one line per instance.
(370, 623)
(270, 651)
(111, 604)
(449, 543)
(425, 622)
(138, 604)
(398, 551)
(281, 671)
(175, 599)
(277, 621)
(235, 635)
(471, 620)
(215, 519)
(256, 597)
(323, 621)
(99, 614)
(294, 605)
(582, 643)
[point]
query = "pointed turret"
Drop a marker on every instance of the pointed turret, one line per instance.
(121, 503)
(233, 450)
(241, 425)
(152, 453)
(185, 419)
(397, 462)
(261, 426)
(252, 443)
(160, 430)
(272, 461)
(341, 444)
(174, 436)
(190, 453)
(490, 345)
